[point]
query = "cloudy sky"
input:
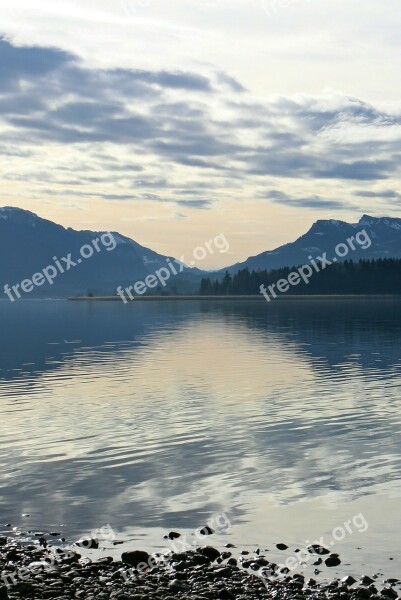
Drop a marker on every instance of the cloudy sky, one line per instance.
(174, 120)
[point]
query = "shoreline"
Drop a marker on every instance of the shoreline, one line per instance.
(232, 297)
(202, 573)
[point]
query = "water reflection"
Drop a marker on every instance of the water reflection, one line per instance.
(158, 415)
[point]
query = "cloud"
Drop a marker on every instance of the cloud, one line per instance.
(82, 194)
(19, 63)
(98, 126)
(230, 82)
(364, 170)
(175, 216)
(312, 201)
(194, 203)
(388, 194)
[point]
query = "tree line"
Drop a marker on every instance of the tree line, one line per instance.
(380, 276)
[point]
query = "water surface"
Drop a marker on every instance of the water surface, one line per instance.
(157, 416)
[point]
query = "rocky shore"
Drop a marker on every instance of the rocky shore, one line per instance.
(204, 573)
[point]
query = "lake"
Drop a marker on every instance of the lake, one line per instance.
(154, 416)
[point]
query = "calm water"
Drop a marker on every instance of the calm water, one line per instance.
(154, 416)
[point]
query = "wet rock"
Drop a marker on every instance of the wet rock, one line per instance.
(317, 549)
(12, 555)
(332, 561)
(177, 586)
(225, 594)
(262, 562)
(200, 559)
(366, 580)
(389, 592)
(91, 543)
(173, 535)
(180, 566)
(3, 541)
(281, 546)
(222, 572)
(135, 557)
(24, 588)
(189, 575)
(348, 581)
(209, 552)
(206, 530)
(364, 593)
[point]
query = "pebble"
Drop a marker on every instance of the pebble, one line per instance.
(206, 530)
(332, 561)
(203, 573)
(281, 546)
(173, 535)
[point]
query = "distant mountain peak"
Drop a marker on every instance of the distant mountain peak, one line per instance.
(322, 224)
(369, 220)
(393, 222)
(324, 236)
(10, 211)
(18, 216)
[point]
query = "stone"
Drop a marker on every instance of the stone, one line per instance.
(332, 561)
(206, 530)
(389, 592)
(88, 543)
(135, 557)
(209, 552)
(348, 580)
(317, 549)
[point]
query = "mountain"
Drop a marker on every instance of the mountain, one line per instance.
(323, 236)
(28, 244)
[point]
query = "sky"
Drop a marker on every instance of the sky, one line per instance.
(173, 121)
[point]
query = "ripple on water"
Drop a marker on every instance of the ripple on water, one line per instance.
(174, 414)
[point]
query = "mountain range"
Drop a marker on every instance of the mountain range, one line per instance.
(29, 243)
(323, 236)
